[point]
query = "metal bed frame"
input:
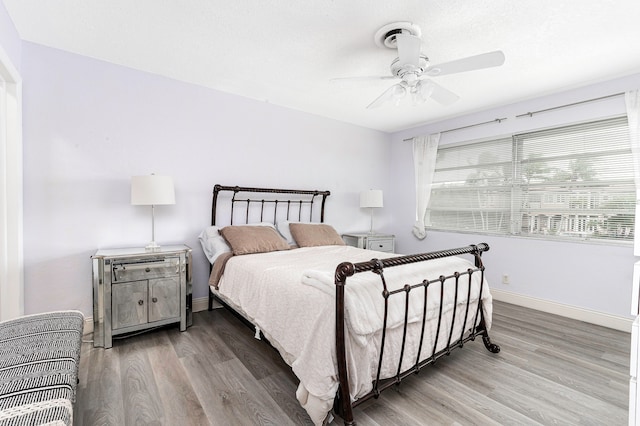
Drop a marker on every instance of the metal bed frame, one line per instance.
(291, 203)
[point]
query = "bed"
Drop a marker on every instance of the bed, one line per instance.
(350, 322)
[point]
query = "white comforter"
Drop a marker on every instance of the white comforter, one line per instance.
(290, 296)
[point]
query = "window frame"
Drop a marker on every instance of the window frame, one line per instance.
(516, 210)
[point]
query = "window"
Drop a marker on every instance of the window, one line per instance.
(574, 182)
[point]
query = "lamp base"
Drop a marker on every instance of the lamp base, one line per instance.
(371, 227)
(152, 246)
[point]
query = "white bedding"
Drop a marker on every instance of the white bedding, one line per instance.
(297, 314)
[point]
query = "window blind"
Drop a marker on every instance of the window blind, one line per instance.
(471, 188)
(572, 182)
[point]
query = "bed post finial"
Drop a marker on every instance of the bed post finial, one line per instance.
(325, 194)
(477, 252)
(214, 202)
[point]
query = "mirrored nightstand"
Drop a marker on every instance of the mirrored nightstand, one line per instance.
(135, 289)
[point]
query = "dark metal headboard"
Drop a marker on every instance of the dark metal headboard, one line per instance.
(289, 204)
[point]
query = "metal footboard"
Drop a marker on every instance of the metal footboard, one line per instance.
(343, 405)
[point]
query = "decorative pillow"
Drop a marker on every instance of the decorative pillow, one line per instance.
(253, 239)
(315, 234)
(213, 244)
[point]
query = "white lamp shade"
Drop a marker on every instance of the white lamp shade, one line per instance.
(371, 198)
(152, 190)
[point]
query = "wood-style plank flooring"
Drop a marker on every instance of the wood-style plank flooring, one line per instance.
(551, 370)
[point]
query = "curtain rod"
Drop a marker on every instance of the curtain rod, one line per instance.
(530, 114)
(495, 120)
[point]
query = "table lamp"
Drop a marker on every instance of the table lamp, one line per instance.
(152, 190)
(371, 199)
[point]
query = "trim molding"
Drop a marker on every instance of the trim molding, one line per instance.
(88, 326)
(568, 311)
(202, 304)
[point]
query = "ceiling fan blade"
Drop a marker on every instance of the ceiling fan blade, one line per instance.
(395, 92)
(346, 81)
(484, 60)
(408, 49)
(441, 95)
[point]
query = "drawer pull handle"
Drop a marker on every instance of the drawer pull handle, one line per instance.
(140, 302)
(147, 269)
(154, 300)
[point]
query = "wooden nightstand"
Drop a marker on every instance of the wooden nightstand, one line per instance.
(135, 289)
(378, 242)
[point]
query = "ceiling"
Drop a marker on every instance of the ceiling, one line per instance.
(286, 52)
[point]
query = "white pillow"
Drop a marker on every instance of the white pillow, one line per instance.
(213, 244)
(283, 228)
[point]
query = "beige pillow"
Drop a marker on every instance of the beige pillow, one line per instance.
(253, 239)
(315, 234)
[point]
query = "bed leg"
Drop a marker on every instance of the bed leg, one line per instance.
(210, 301)
(342, 409)
(482, 327)
(491, 347)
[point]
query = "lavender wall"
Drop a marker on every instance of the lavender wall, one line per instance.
(89, 126)
(596, 277)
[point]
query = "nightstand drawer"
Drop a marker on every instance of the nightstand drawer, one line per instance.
(135, 270)
(377, 242)
(385, 245)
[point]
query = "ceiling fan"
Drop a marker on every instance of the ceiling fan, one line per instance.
(412, 68)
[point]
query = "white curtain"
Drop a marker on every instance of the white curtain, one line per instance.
(425, 149)
(632, 100)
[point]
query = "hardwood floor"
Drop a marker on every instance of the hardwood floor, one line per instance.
(551, 370)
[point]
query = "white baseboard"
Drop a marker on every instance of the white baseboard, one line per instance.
(202, 304)
(88, 326)
(568, 311)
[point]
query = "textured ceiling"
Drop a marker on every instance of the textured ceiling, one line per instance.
(286, 52)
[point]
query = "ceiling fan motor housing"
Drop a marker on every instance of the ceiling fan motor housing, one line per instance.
(386, 36)
(400, 70)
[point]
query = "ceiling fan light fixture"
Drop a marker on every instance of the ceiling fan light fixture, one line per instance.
(416, 98)
(425, 88)
(399, 92)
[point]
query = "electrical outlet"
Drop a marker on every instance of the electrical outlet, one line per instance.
(505, 278)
